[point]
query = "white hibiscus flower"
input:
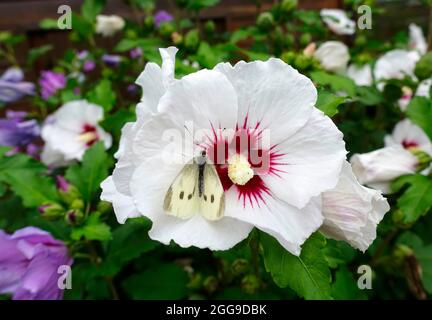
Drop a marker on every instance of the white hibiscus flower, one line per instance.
(377, 169)
(70, 130)
(280, 196)
(404, 101)
(338, 21)
(107, 26)
(395, 64)
(333, 56)
(154, 81)
(409, 136)
(362, 75)
(352, 212)
(417, 39)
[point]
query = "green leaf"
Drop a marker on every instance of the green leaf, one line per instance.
(424, 256)
(103, 95)
(93, 229)
(337, 83)
(128, 44)
(345, 286)
(94, 168)
(115, 122)
(201, 4)
(36, 53)
(420, 112)
(369, 96)
(308, 275)
(26, 178)
(417, 199)
(165, 281)
(129, 242)
(328, 102)
(48, 24)
(81, 26)
(338, 252)
(91, 8)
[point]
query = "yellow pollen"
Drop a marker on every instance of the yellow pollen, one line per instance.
(87, 137)
(239, 169)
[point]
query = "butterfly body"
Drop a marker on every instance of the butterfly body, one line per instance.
(197, 189)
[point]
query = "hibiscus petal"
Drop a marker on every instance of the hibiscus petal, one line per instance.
(272, 94)
(309, 162)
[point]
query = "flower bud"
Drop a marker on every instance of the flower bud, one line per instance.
(67, 191)
(240, 266)
(305, 39)
(288, 57)
(210, 28)
(424, 159)
(423, 68)
(149, 22)
(74, 217)
(288, 5)
(265, 21)
(77, 204)
(176, 38)
(51, 211)
(166, 29)
(250, 284)
(211, 284)
(104, 207)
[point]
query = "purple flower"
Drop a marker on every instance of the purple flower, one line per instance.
(29, 264)
(89, 65)
(15, 131)
(81, 55)
(111, 59)
(51, 82)
(62, 183)
(135, 53)
(12, 88)
(162, 16)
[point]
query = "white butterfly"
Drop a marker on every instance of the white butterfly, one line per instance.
(196, 189)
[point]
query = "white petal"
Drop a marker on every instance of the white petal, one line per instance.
(379, 167)
(362, 75)
(424, 87)
(287, 224)
(417, 39)
(407, 132)
(155, 80)
(63, 141)
(190, 106)
(395, 64)
(312, 160)
(272, 94)
(338, 21)
(333, 56)
(352, 212)
(74, 115)
(123, 205)
(53, 158)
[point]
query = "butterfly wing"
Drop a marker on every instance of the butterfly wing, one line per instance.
(181, 199)
(212, 202)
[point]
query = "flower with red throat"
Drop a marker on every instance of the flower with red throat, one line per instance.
(273, 151)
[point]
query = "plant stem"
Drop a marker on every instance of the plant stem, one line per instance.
(254, 246)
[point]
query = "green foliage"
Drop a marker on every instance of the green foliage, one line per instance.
(417, 199)
(103, 94)
(337, 83)
(308, 275)
(423, 69)
(91, 8)
(328, 102)
(93, 229)
(88, 175)
(420, 112)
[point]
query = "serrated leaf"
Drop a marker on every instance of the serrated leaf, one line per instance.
(338, 252)
(345, 286)
(93, 229)
(369, 96)
(328, 102)
(420, 112)
(417, 199)
(308, 275)
(35, 53)
(165, 281)
(88, 175)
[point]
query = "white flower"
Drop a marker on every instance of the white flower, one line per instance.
(282, 197)
(404, 101)
(408, 135)
(154, 81)
(70, 130)
(417, 40)
(107, 26)
(352, 212)
(423, 89)
(333, 56)
(395, 64)
(362, 75)
(338, 21)
(377, 169)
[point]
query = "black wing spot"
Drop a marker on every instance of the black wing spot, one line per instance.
(190, 196)
(212, 198)
(205, 197)
(181, 195)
